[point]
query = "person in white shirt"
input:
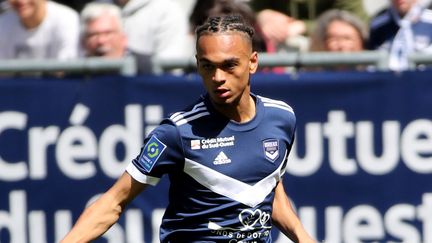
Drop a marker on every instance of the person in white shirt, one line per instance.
(156, 27)
(39, 29)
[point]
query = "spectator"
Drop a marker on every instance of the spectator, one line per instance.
(102, 31)
(307, 11)
(103, 36)
(155, 27)
(280, 30)
(403, 28)
(39, 29)
(339, 31)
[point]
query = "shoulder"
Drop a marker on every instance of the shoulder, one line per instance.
(8, 17)
(135, 7)
(166, 5)
(61, 10)
(278, 112)
(191, 113)
(383, 18)
(276, 105)
(167, 12)
(426, 16)
(63, 19)
(171, 129)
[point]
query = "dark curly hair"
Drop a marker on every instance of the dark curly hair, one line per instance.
(226, 23)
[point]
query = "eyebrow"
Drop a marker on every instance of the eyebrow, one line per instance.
(225, 61)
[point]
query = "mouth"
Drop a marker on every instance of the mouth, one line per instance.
(222, 92)
(101, 51)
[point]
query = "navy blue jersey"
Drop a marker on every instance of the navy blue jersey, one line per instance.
(222, 173)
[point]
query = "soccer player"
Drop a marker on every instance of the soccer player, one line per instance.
(225, 155)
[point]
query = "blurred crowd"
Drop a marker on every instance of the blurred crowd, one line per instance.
(164, 29)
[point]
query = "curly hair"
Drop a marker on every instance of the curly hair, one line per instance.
(223, 24)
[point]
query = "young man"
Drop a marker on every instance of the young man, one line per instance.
(225, 155)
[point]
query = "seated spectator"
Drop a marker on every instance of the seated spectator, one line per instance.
(338, 31)
(39, 29)
(155, 27)
(103, 36)
(102, 31)
(403, 28)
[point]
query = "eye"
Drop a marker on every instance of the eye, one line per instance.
(207, 66)
(229, 65)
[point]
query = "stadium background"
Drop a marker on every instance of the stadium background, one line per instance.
(359, 172)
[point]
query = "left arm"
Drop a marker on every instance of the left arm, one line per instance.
(286, 220)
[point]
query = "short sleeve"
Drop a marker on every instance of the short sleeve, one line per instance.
(161, 154)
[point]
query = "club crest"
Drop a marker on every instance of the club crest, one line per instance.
(271, 149)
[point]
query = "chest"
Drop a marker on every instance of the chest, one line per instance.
(245, 156)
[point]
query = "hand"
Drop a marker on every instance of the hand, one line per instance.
(277, 27)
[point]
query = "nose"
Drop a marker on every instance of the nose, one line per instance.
(101, 38)
(219, 75)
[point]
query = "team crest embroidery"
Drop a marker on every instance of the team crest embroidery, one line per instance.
(151, 153)
(271, 149)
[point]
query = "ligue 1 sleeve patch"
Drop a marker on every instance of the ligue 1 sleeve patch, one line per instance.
(151, 153)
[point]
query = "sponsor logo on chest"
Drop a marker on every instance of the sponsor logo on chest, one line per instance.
(209, 143)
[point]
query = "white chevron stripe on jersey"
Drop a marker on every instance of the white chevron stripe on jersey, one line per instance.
(250, 195)
(276, 103)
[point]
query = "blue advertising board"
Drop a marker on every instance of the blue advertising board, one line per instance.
(360, 169)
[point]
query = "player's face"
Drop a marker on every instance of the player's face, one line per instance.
(225, 62)
(104, 37)
(343, 37)
(26, 8)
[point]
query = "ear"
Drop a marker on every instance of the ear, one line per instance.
(253, 62)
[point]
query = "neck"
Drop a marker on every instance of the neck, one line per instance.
(243, 111)
(36, 19)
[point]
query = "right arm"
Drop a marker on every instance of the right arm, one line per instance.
(105, 211)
